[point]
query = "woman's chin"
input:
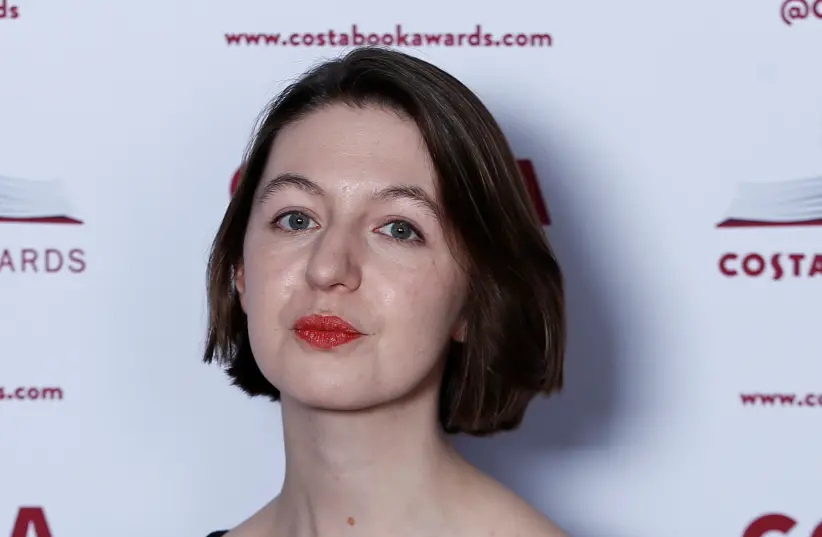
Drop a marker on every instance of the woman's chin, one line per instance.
(333, 397)
(340, 396)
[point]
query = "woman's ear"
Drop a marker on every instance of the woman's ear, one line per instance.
(239, 283)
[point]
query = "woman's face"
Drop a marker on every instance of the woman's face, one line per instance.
(344, 225)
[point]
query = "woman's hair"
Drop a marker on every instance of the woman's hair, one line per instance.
(515, 338)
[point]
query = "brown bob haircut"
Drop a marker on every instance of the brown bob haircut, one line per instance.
(515, 315)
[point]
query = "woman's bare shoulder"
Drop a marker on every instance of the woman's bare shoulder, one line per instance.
(497, 510)
(255, 525)
(536, 524)
(488, 508)
(513, 516)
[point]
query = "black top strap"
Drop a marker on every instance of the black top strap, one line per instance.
(217, 534)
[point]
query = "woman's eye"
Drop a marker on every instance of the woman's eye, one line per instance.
(295, 221)
(401, 231)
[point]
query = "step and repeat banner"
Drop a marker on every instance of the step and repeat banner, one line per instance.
(674, 152)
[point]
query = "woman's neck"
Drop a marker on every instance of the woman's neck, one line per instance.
(373, 472)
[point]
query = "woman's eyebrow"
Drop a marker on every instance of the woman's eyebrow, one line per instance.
(413, 193)
(408, 192)
(285, 180)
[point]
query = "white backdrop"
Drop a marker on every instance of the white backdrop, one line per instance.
(643, 120)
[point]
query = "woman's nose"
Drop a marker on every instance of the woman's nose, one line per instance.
(334, 262)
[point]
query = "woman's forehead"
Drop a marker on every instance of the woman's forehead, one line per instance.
(347, 146)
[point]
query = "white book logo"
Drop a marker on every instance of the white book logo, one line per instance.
(785, 203)
(22, 200)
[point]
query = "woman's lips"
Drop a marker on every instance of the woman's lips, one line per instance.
(325, 332)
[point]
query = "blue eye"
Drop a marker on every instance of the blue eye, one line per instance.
(401, 230)
(295, 221)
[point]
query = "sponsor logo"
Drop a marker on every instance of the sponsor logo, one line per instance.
(8, 11)
(526, 168)
(42, 203)
(774, 205)
(775, 266)
(777, 524)
(31, 522)
(796, 10)
(34, 202)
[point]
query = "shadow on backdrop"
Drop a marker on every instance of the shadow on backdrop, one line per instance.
(583, 417)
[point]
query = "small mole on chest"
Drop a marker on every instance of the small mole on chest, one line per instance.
(351, 521)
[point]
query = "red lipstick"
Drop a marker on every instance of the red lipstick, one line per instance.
(325, 332)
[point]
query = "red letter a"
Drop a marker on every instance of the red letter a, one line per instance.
(27, 517)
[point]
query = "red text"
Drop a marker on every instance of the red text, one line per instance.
(794, 10)
(8, 11)
(775, 522)
(49, 261)
(26, 393)
(782, 399)
(396, 38)
(31, 519)
(776, 266)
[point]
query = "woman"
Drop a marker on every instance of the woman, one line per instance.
(382, 272)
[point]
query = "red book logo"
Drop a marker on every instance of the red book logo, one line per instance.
(776, 204)
(526, 168)
(34, 202)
